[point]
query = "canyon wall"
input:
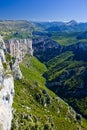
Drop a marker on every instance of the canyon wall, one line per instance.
(16, 48)
(19, 47)
(6, 90)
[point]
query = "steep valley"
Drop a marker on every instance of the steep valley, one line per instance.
(66, 73)
(44, 67)
(38, 108)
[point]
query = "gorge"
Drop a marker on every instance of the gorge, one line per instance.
(44, 70)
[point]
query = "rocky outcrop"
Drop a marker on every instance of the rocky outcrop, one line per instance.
(16, 71)
(6, 100)
(19, 47)
(6, 91)
(2, 44)
(2, 55)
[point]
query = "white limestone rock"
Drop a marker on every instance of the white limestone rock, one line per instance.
(6, 100)
(19, 47)
(6, 95)
(2, 55)
(2, 44)
(17, 71)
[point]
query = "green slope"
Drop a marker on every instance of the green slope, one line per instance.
(67, 38)
(67, 78)
(38, 108)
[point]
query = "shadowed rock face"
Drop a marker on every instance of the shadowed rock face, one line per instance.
(80, 50)
(45, 48)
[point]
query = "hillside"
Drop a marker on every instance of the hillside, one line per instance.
(38, 108)
(66, 76)
(16, 28)
(15, 25)
(65, 38)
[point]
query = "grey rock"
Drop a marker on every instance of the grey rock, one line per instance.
(17, 71)
(6, 92)
(18, 48)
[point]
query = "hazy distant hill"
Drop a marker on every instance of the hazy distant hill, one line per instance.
(16, 25)
(62, 26)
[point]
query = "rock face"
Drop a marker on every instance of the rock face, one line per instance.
(45, 48)
(80, 50)
(6, 100)
(6, 92)
(2, 44)
(2, 55)
(17, 71)
(18, 48)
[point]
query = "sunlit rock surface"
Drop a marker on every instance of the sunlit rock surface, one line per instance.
(6, 92)
(19, 47)
(16, 70)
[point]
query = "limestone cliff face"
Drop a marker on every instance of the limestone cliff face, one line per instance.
(6, 92)
(16, 70)
(18, 48)
(2, 44)
(6, 100)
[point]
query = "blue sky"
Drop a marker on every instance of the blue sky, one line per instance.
(44, 10)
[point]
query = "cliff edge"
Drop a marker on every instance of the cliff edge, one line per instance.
(6, 90)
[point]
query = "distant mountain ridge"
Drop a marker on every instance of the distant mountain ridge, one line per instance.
(63, 26)
(43, 26)
(72, 22)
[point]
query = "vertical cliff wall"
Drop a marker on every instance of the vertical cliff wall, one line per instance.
(6, 91)
(16, 48)
(19, 47)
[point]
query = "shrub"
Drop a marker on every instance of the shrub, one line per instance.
(47, 127)
(4, 65)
